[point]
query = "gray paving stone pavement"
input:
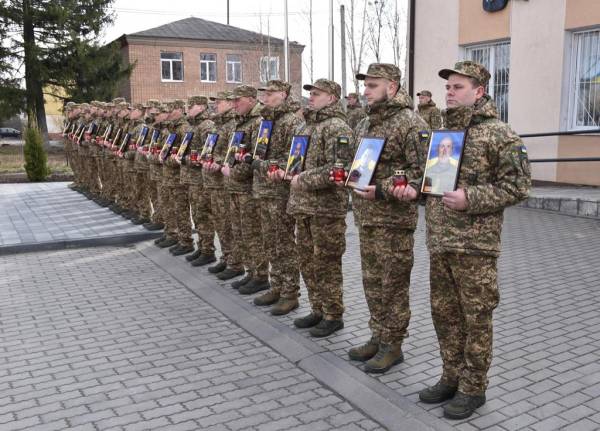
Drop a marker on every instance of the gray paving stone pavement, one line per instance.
(133, 338)
(35, 215)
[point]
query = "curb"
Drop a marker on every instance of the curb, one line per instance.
(568, 206)
(385, 406)
(115, 240)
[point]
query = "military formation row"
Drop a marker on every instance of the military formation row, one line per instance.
(153, 164)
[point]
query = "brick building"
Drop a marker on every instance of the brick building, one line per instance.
(544, 57)
(194, 56)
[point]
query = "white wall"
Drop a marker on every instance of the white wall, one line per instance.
(536, 77)
(436, 44)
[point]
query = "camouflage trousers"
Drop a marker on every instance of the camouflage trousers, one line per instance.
(94, 176)
(167, 204)
(179, 200)
(200, 203)
(219, 214)
(152, 191)
(280, 246)
(386, 255)
(321, 243)
(75, 167)
(140, 194)
(464, 293)
(246, 228)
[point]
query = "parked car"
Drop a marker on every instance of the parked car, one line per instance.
(9, 132)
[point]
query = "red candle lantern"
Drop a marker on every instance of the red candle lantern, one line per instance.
(399, 179)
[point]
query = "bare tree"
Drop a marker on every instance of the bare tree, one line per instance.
(392, 18)
(308, 15)
(356, 43)
(375, 23)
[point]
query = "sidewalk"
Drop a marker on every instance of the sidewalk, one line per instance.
(35, 216)
(134, 338)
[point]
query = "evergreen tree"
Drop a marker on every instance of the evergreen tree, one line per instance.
(56, 42)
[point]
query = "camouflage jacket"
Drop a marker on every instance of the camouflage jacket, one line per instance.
(201, 125)
(224, 126)
(141, 159)
(431, 114)
(134, 130)
(285, 125)
(316, 195)
(396, 121)
(355, 115)
(240, 178)
(494, 174)
(170, 166)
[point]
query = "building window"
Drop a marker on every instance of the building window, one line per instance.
(234, 68)
(496, 58)
(269, 68)
(584, 90)
(208, 67)
(171, 66)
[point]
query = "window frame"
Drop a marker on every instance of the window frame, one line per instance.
(260, 68)
(227, 63)
(207, 63)
(573, 81)
(491, 87)
(171, 61)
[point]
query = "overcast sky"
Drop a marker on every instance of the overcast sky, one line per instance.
(136, 15)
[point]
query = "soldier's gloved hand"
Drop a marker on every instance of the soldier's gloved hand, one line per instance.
(368, 193)
(226, 170)
(403, 193)
(294, 183)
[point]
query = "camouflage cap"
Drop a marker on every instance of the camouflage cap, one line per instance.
(424, 93)
(165, 107)
(197, 100)
(139, 106)
(123, 105)
(153, 103)
(277, 85)
(325, 85)
(118, 100)
(178, 104)
(470, 69)
(381, 70)
(242, 91)
(221, 95)
(350, 95)
(84, 106)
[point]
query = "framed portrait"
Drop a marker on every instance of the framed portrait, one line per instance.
(185, 143)
(209, 145)
(263, 140)
(125, 143)
(167, 146)
(142, 136)
(365, 162)
(443, 161)
(298, 150)
(234, 145)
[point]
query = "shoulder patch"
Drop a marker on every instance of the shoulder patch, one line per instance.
(343, 140)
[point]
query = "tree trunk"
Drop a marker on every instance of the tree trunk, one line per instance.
(33, 87)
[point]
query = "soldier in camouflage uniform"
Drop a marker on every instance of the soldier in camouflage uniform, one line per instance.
(130, 171)
(224, 121)
(173, 195)
(100, 154)
(354, 111)
(199, 199)
(320, 208)
(245, 215)
(82, 149)
(71, 111)
(463, 238)
(113, 179)
(273, 194)
(155, 115)
(428, 111)
(386, 225)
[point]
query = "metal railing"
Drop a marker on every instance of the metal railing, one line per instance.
(563, 159)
